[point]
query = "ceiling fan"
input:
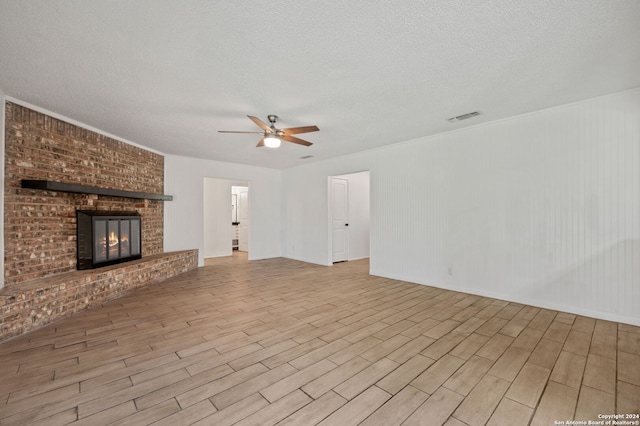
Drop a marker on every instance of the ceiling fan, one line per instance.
(272, 137)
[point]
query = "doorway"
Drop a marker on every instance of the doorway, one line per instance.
(218, 226)
(240, 195)
(349, 216)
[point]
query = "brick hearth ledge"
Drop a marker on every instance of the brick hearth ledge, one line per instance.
(29, 305)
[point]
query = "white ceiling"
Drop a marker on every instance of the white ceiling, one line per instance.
(169, 74)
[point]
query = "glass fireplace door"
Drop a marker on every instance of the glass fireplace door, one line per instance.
(100, 239)
(124, 238)
(105, 238)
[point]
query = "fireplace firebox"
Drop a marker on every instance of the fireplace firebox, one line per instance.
(107, 237)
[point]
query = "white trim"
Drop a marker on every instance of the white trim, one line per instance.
(523, 300)
(329, 221)
(78, 123)
(359, 258)
(306, 260)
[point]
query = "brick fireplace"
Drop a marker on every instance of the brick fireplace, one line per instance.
(40, 276)
(40, 226)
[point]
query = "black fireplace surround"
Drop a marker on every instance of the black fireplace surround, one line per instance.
(107, 237)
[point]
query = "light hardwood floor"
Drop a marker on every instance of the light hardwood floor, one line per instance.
(281, 341)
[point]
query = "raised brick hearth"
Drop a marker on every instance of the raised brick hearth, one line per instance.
(32, 304)
(41, 283)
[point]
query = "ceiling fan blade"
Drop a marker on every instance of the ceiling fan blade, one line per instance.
(234, 131)
(261, 143)
(296, 140)
(303, 129)
(260, 124)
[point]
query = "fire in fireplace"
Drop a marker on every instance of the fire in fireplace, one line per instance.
(107, 237)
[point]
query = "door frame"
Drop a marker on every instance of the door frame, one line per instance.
(329, 195)
(247, 210)
(332, 201)
(222, 200)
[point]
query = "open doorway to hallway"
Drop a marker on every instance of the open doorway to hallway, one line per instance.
(221, 210)
(349, 216)
(240, 220)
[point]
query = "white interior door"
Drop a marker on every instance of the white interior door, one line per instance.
(243, 218)
(340, 218)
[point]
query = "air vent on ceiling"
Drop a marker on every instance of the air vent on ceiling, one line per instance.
(306, 156)
(464, 116)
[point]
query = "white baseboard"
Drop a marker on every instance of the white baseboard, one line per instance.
(607, 316)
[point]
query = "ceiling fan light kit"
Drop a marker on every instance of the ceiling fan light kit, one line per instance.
(272, 141)
(273, 137)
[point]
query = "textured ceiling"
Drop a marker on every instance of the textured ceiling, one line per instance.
(169, 74)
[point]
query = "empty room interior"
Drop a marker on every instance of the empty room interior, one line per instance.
(331, 213)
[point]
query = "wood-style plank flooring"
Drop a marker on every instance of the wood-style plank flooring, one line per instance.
(283, 342)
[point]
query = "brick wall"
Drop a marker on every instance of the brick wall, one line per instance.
(40, 231)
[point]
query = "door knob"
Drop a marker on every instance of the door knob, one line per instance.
(346, 224)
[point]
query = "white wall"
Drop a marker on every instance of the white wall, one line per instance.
(542, 208)
(217, 216)
(305, 207)
(358, 215)
(184, 179)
